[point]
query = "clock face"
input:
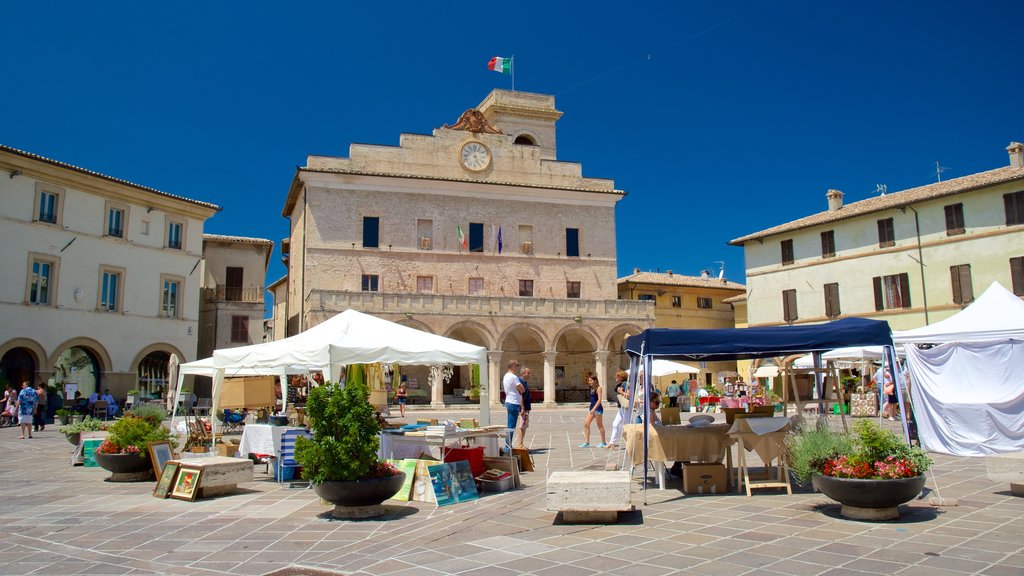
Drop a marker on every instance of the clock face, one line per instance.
(475, 156)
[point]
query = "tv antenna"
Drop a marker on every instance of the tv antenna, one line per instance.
(881, 189)
(939, 169)
(721, 269)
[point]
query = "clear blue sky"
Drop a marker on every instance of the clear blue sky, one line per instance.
(718, 118)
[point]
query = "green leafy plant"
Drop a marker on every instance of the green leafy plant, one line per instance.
(153, 413)
(88, 424)
(869, 452)
(132, 435)
(345, 428)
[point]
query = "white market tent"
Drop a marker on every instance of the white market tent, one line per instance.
(969, 388)
(668, 367)
(350, 337)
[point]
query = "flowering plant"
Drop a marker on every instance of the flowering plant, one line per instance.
(868, 453)
(132, 435)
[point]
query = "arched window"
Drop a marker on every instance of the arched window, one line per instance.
(525, 140)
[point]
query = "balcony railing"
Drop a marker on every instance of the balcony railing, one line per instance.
(224, 293)
(387, 303)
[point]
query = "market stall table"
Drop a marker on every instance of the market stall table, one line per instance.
(766, 437)
(412, 444)
(678, 443)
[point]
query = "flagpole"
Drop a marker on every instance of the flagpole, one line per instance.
(512, 65)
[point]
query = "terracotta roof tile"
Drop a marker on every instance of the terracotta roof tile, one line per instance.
(242, 239)
(666, 279)
(893, 200)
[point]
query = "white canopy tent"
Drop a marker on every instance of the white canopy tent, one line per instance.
(350, 337)
(969, 388)
(668, 367)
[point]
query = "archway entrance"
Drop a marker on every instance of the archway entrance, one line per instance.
(575, 360)
(77, 369)
(17, 366)
(152, 374)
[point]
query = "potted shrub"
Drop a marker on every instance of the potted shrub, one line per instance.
(870, 472)
(125, 450)
(73, 431)
(341, 458)
(64, 415)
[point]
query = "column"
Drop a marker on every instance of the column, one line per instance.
(495, 372)
(601, 369)
(549, 379)
(436, 387)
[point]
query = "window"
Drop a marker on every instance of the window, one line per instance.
(960, 279)
(677, 301)
(572, 289)
(42, 280)
(425, 284)
(572, 242)
(175, 231)
(476, 237)
(170, 299)
(1017, 275)
(371, 283)
(110, 288)
(371, 232)
(240, 329)
(832, 300)
(828, 244)
(886, 236)
(233, 284)
(525, 239)
(789, 305)
(48, 204)
(954, 219)
(646, 298)
(704, 303)
(115, 221)
(787, 252)
(526, 288)
(425, 234)
(1014, 204)
(476, 286)
(892, 291)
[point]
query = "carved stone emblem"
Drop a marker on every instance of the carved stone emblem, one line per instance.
(474, 121)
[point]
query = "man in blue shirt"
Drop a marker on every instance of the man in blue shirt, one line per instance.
(27, 399)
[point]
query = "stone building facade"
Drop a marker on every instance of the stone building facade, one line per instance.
(911, 257)
(100, 282)
(475, 232)
(232, 307)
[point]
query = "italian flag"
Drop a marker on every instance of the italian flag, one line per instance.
(501, 65)
(462, 239)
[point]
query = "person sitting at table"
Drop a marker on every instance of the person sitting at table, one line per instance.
(111, 403)
(92, 399)
(81, 404)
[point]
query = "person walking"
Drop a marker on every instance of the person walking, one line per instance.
(889, 389)
(513, 400)
(39, 416)
(519, 440)
(402, 396)
(673, 392)
(27, 400)
(622, 414)
(595, 413)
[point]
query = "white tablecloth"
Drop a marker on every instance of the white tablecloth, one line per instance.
(397, 446)
(262, 439)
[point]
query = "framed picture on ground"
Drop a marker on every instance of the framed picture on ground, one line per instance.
(159, 454)
(165, 480)
(186, 485)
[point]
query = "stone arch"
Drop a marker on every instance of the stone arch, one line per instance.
(83, 342)
(159, 347)
(33, 347)
(12, 356)
(615, 341)
(526, 138)
(528, 326)
(595, 340)
(473, 327)
(574, 346)
(418, 325)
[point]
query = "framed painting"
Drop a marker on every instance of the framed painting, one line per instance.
(165, 480)
(159, 454)
(186, 485)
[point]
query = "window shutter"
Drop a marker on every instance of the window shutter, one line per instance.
(1017, 275)
(966, 287)
(879, 302)
(905, 289)
(950, 219)
(832, 300)
(954, 280)
(1014, 205)
(881, 233)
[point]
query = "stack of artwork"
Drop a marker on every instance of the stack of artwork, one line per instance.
(433, 481)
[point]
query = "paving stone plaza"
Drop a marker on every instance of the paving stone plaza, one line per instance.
(58, 519)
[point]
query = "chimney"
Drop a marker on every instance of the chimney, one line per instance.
(835, 200)
(705, 275)
(669, 272)
(1016, 151)
(636, 270)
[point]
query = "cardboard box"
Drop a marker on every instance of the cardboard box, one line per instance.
(704, 478)
(228, 450)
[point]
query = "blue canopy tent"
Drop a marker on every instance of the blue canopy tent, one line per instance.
(749, 343)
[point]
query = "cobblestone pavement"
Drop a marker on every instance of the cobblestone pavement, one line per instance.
(58, 519)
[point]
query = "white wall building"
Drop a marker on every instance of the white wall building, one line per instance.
(232, 308)
(101, 276)
(911, 257)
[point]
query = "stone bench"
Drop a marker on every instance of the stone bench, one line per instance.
(589, 496)
(1007, 468)
(221, 475)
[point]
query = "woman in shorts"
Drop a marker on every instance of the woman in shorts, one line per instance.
(595, 413)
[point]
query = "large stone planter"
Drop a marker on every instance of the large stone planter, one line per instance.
(125, 467)
(869, 499)
(74, 437)
(360, 498)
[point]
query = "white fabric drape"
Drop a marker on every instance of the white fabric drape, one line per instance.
(969, 396)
